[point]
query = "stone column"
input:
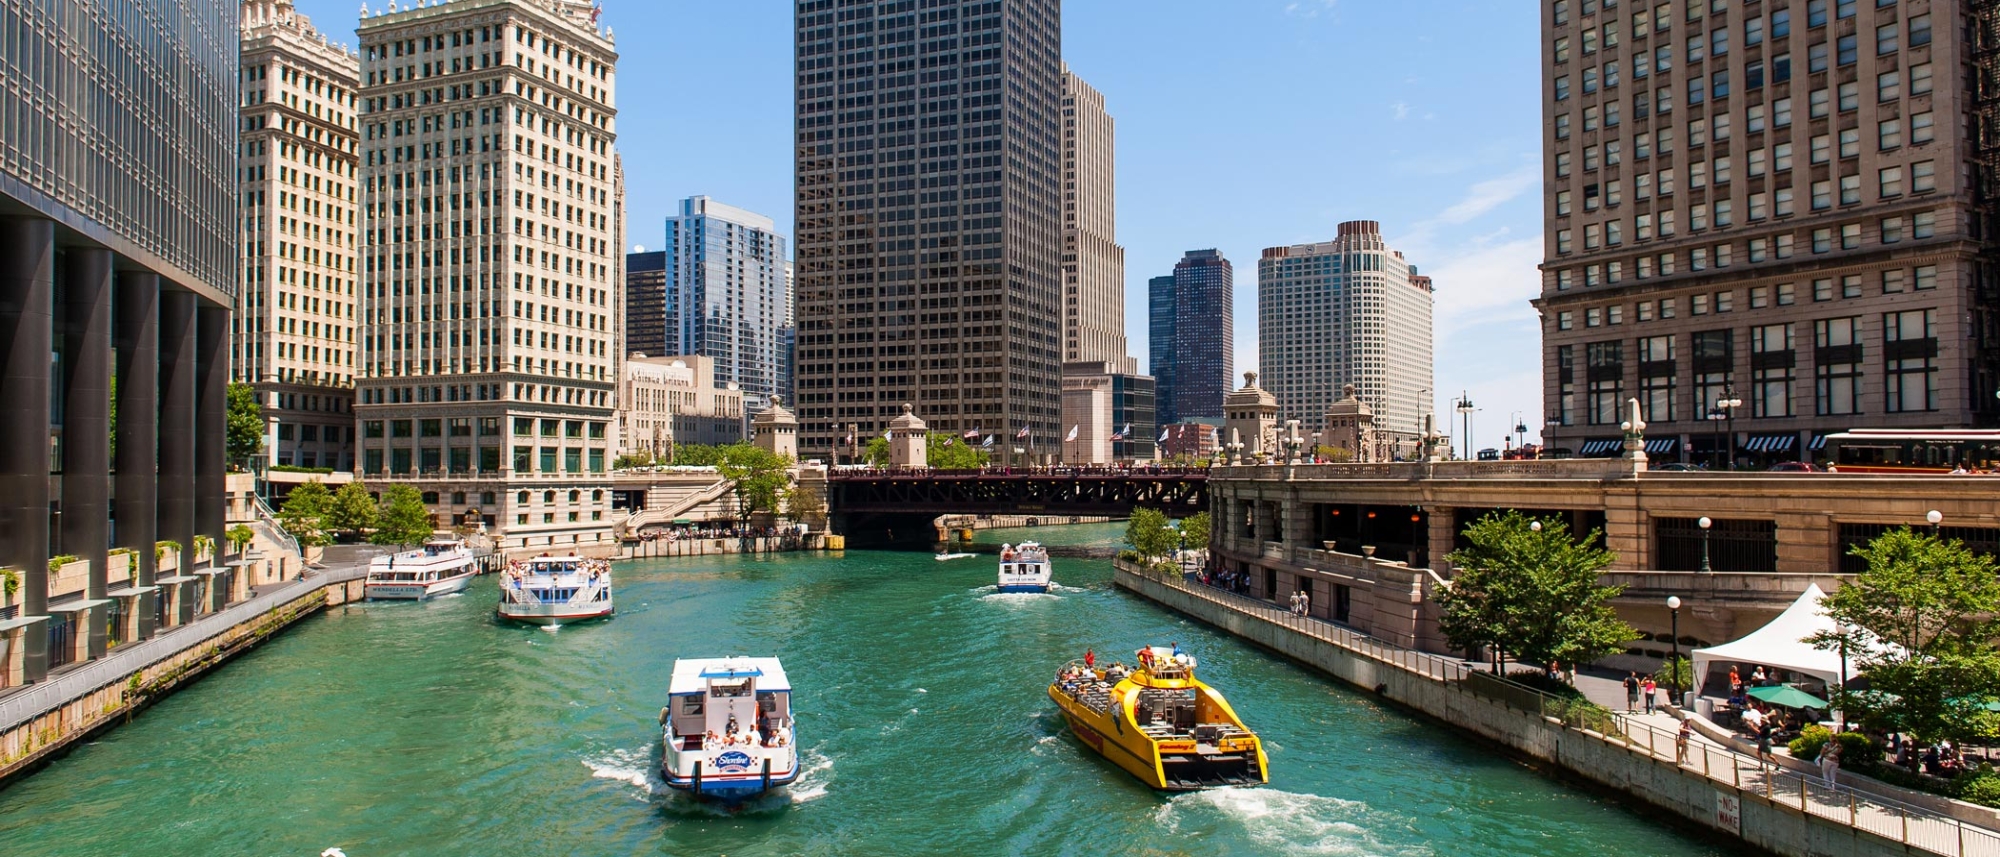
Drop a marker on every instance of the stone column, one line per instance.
(177, 443)
(86, 466)
(138, 355)
(1440, 536)
(27, 308)
(211, 437)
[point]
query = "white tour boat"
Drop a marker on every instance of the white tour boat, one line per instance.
(556, 590)
(442, 566)
(727, 728)
(1024, 568)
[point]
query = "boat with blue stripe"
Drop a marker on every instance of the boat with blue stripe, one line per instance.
(727, 728)
(1024, 568)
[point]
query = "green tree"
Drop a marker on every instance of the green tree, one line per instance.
(403, 520)
(246, 424)
(1939, 602)
(804, 503)
(949, 452)
(1195, 531)
(1335, 454)
(876, 452)
(1531, 592)
(698, 455)
(304, 513)
(351, 511)
(1147, 532)
(760, 477)
(240, 536)
(642, 458)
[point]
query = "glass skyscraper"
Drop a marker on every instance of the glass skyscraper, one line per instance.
(1192, 337)
(726, 295)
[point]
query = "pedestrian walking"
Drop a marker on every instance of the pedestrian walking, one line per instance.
(1652, 691)
(1631, 692)
(1764, 730)
(1829, 761)
(1681, 740)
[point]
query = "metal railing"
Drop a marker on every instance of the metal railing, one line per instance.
(1911, 825)
(270, 518)
(34, 701)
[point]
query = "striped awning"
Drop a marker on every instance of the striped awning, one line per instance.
(1599, 447)
(1771, 443)
(1818, 443)
(1663, 446)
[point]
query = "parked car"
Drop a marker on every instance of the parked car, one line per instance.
(1795, 467)
(1677, 467)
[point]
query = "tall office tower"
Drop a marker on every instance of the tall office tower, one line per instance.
(1350, 311)
(294, 337)
(788, 340)
(1777, 207)
(726, 294)
(1093, 263)
(929, 217)
(1198, 350)
(117, 188)
(1160, 318)
(492, 279)
(646, 303)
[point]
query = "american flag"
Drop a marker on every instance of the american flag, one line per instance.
(1022, 434)
(971, 434)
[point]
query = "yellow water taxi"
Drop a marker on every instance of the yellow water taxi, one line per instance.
(1158, 722)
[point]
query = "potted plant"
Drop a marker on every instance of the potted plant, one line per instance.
(160, 550)
(240, 537)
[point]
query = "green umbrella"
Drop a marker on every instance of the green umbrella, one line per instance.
(1787, 696)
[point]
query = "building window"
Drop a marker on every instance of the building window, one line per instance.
(1771, 363)
(1566, 383)
(1909, 349)
(1656, 377)
(1837, 366)
(1711, 360)
(1607, 381)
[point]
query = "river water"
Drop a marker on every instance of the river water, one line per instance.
(430, 729)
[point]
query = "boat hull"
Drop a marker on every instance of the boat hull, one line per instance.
(417, 591)
(729, 788)
(1024, 587)
(553, 615)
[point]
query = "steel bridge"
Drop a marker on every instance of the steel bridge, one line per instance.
(1054, 491)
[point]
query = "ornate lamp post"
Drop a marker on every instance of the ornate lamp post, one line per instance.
(1465, 409)
(1728, 405)
(1705, 523)
(1673, 677)
(1935, 517)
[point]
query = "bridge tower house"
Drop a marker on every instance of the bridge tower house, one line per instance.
(777, 430)
(1251, 414)
(909, 440)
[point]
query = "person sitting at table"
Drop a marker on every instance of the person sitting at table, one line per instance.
(1757, 678)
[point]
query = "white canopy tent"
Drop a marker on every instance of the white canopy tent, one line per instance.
(1781, 643)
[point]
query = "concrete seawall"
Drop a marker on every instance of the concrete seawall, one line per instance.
(40, 722)
(666, 549)
(1714, 788)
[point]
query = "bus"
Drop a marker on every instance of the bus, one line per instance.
(1914, 450)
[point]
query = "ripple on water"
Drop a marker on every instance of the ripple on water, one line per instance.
(1284, 822)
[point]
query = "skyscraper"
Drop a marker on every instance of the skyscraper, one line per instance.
(1160, 318)
(646, 303)
(118, 258)
(1195, 346)
(725, 297)
(491, 300)
(1350, 311)
(929, 150)
(1093, 263)
(294, 336)
(1778, 207)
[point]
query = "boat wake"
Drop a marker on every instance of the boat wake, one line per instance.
(815, 773)
(636, 768)
(640, 769)
(991, 594)
(1283, 822)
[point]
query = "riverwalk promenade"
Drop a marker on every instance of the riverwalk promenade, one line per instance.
(1713, 786)
(40, 720)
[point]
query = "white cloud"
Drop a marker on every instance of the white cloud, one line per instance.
(1401, 109)
(1492, 193)
(1310, 8)
(1485, 284)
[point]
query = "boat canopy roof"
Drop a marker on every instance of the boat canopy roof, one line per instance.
(692, 675)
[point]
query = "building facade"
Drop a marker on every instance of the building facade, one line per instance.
(294, 337)
(1196, 346)
(667, 401)
(1111, 413)
(1341, 313)
(491, 304)
(1764, 224)
(726, 296)
(118, 259)
(646, 302)
(929, 217)
(1160, 318)
(1093, 262)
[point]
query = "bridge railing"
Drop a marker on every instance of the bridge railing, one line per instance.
(872, 474)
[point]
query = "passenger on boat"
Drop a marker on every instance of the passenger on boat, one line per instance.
(1090, 658)
(710, 741)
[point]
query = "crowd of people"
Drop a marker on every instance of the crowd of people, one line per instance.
(718, 531)
(766, 734)
(1227, 581)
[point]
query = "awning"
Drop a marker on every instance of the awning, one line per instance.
(1781, 643)
(683, 520)
(1599, 447)
(130, 591)
(1663, 446)
(78, 605)
(1818, 443)
(177, 578)
(1770, 443)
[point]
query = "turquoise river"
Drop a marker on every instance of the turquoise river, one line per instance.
(430, 729)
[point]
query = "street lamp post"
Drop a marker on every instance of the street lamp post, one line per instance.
(1674, 674)
(1715, 418)
(1935, 517)
(1728, 404)
(1465, 410)
(1705, 524)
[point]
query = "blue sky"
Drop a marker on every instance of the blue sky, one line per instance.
(1242, 125)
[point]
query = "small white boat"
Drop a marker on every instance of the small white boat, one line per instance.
(556, 590)
(1024, 568)
(442, 566)
(727, 728)
(951, 556)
